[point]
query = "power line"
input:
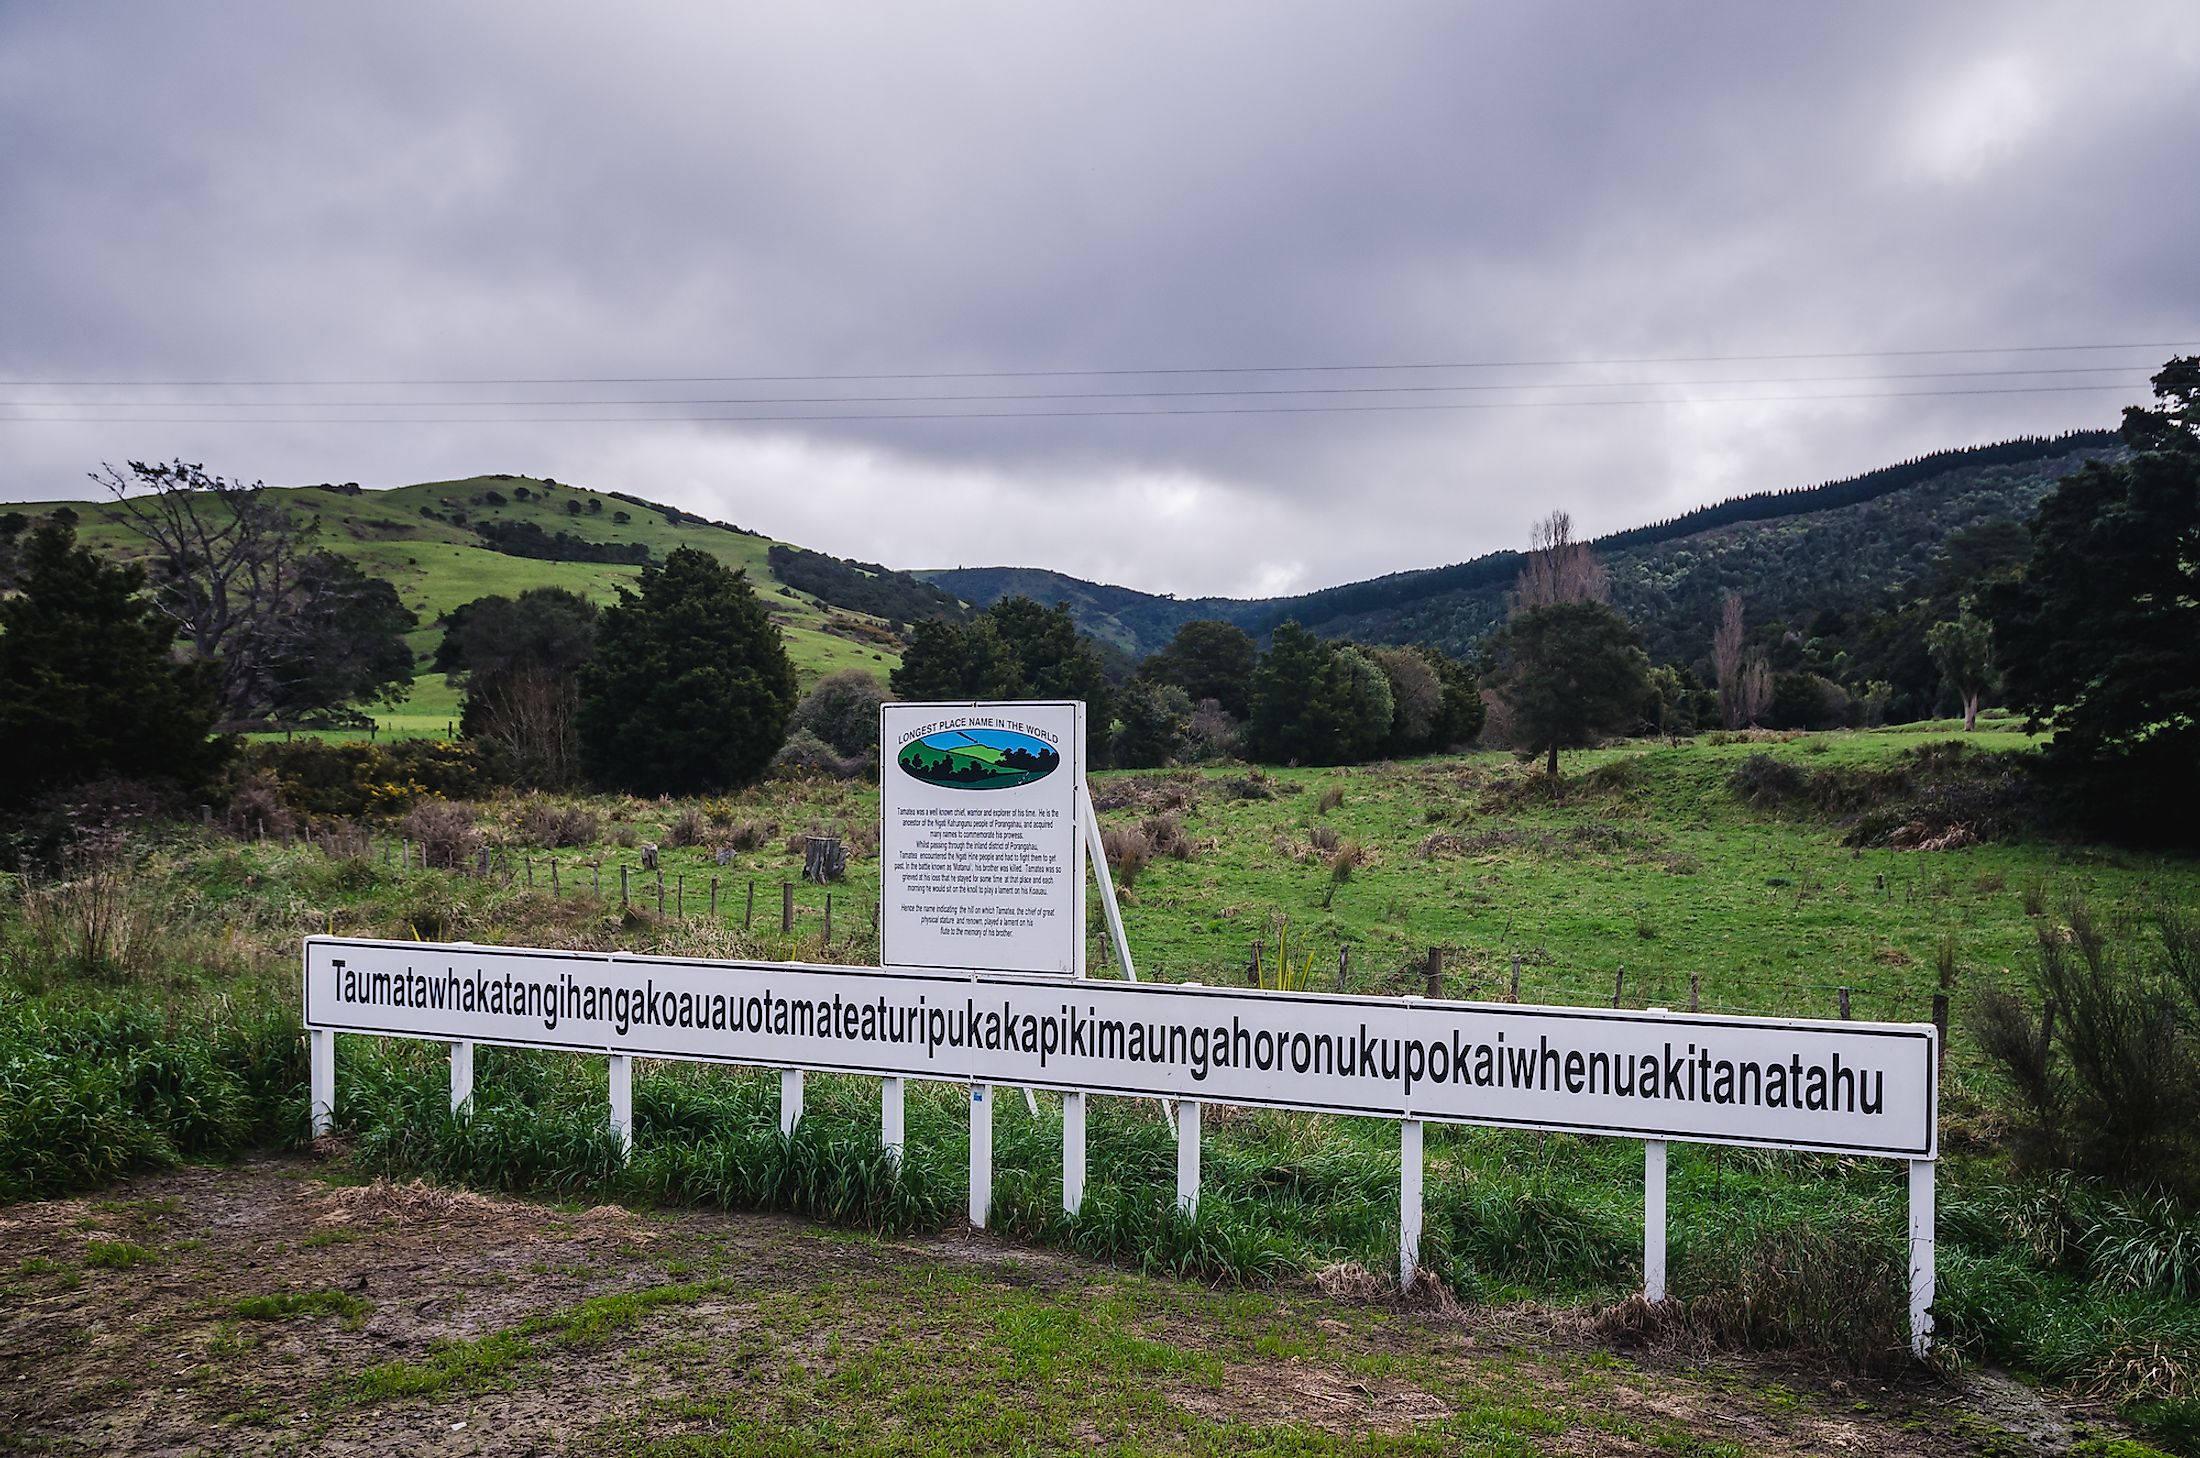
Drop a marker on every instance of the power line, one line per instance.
(1103, 372)
(1073, 394)
(1021, 414)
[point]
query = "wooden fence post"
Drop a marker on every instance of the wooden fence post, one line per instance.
(786, 906)
(1619, 981)
(1435, 972)
(1516, 977)
(749, 916)
(714, 898)
(622, 886)
(1843, 994)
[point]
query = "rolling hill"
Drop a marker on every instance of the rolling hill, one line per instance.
(443, 543)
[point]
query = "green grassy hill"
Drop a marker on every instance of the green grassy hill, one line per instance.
(426, 540)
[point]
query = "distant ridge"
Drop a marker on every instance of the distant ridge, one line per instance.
(1454, 605)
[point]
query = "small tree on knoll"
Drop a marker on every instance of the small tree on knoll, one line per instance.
(1568, 673)
(690, 688)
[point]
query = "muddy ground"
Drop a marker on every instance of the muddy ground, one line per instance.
(275, 1307)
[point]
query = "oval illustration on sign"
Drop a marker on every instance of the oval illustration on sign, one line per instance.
(978, 759)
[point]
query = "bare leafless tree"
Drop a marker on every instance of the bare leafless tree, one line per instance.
(223, 559)
(1756, 693)
(528, 717)
(1559, 569)
(1726, 660)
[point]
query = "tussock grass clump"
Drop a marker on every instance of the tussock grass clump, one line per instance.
(1769, 1278)
(1165, 836)
(1128, 852)
(689, 828)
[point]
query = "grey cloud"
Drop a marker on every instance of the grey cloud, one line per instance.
(260, 191)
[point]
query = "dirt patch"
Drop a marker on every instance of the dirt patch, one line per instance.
(1311, 1395)
(268, 1308)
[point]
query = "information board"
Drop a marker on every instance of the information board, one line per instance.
(979, 850)
(1838, 1087)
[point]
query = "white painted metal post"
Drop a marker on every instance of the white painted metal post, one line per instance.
(981, 1154)
(891, 1099)
(622, 1102)
(1096, 848)
(790, 1100)
(1921, 1256)
(1653, 1214)
(321, 1074)
(1073, 1152)
(1187, 1157)
(1409, 1202)
(462, 1077)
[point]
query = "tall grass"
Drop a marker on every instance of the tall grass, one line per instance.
(90, 1094)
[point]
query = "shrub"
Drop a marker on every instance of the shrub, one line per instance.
(2112, 1082)
(330, 778)
(842, 710)
(256, 807)
(90, 922)
(1766, 782)
(805, 756)
(551, 825)
(444, 833)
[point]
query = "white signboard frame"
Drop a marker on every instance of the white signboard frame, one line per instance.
(1756, 1082)
(1852, 1088)
(981, 850)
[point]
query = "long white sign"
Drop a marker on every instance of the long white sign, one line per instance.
(1843, 1087)
(980, 864)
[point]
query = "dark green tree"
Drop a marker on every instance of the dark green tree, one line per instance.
(522, 706)
(1015, 649)
(1459, 720)
(1569, 673)
(1153, 725)
(88, 688)
(1208, 660)
(690, 689)
(2099, 639)
(1298, 712)
(341, 643)
(1362, 689)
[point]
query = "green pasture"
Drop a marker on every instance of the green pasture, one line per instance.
(1643, 860)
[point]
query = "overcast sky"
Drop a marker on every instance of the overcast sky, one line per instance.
(598, 195)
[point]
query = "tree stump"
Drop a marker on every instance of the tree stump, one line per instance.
(824, 859)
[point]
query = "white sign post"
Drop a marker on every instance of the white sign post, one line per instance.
(1818, 1086)
(981, 865)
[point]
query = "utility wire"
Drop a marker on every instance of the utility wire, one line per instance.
(1072, 394)
(1020, 414)
(1486, 364)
